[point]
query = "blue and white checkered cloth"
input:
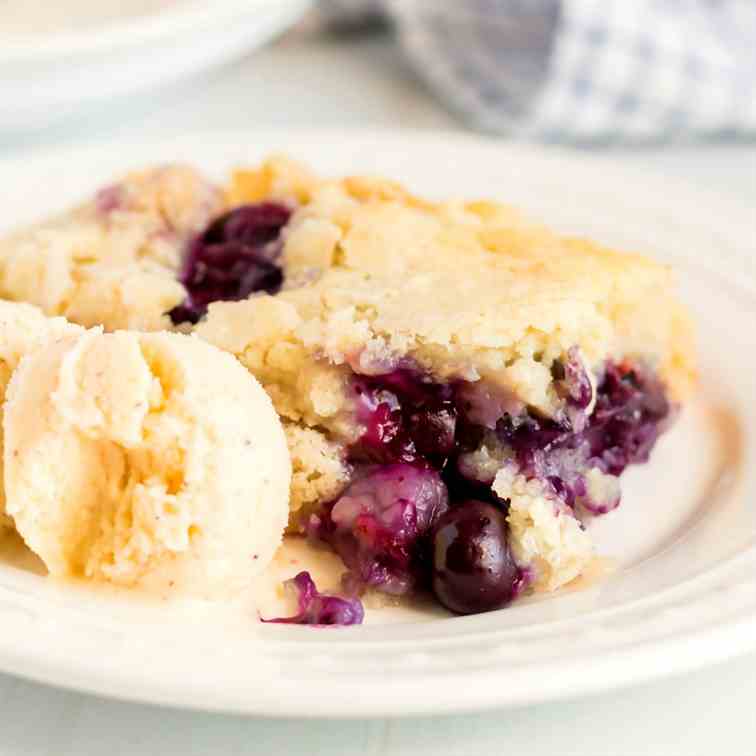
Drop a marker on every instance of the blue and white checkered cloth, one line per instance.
(584, 70)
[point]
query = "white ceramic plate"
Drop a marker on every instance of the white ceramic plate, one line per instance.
(48, 75)
(684, 591)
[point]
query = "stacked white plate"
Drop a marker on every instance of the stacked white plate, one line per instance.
(60, 59)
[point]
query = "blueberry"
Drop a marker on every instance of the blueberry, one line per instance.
(432, 430)
(381, 523)
(406, 419)
(473, 568)
(316, 608)
(234, 257)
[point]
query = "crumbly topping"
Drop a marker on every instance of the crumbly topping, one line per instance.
(465, 290)
(319, 473)
(544, 535)
(112, 261)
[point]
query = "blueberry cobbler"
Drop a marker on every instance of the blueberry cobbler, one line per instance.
(460, 388)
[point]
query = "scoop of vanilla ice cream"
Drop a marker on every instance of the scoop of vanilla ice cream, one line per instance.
(23, 328)
(149, 460)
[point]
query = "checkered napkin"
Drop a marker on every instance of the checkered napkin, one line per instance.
(583, 70)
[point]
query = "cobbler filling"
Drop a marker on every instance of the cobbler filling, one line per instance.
(234, 257)
(420, 511)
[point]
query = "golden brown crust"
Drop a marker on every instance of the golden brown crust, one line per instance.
(465, 289)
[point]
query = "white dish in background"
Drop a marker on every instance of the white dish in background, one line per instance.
(27, 22)
(47, 76)
(683, 593)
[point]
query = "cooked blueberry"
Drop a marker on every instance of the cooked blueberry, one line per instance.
(473, 568)
(233, 258)
(631, 410)
(380, 524)
(406, 419)
(254, 225)
(315, 608)
(577, 384)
